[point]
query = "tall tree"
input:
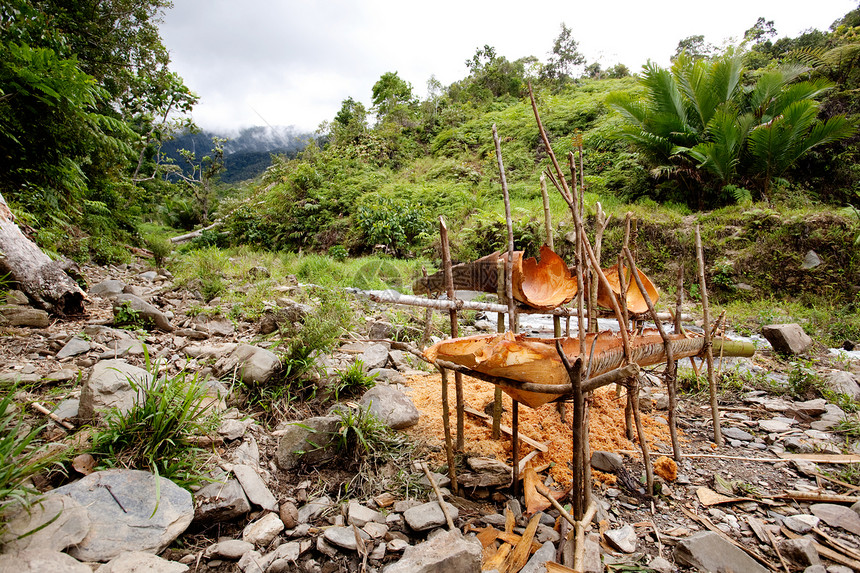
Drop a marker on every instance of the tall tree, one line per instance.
(392, 98)
(565, 56)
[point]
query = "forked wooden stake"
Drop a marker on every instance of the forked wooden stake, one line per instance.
(455, 331)
(709, 352)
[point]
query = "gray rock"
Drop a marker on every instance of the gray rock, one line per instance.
(734, 433)
(140, 562)
(63, 521)
(344, 537)
(428, 515)
(154, 515)
(359, 515)
(14, 315)
(214, 325)
(233, 429)
(67, 409)
(313, 509)
(254, 365)
(787, 338)
(623, 539)
(107, 289)
(220, 502)
(394, 408)
(537, 562)
(63, 375)
(661, 565)
(707, 551)
(248, 453)
(774, 426)
(843, 383)
(264, 530)
(837, 516)
(387, 375)
(109, 385)
(592, 564)
(811, 408)
(253, 562)
(376, 356)
(609, 462)
(148, 313)
(801, 550)
(447, 552)
(73, 347)
(375, 530)
(810, 261)
(231, 549)
(818, 569)
(255, 488)
(16, 297)
(41, 561)
(802, 523)
(312, 442)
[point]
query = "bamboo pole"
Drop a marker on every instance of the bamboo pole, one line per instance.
(679, 300)
(547, 216)
(497, 393)
(670, 355)
(455, 329)
(709, 353)
(446, 425)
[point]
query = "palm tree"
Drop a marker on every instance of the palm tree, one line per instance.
(699, 115)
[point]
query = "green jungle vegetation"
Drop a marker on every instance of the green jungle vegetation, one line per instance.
(757, 143)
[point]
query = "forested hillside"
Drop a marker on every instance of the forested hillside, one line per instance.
(92, 133)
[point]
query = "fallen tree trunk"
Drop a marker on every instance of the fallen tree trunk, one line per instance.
(193, 234)
(40, 278)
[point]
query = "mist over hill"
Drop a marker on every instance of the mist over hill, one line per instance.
(247, 152)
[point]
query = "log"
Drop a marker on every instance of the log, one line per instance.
(40, 278)
(193, 234)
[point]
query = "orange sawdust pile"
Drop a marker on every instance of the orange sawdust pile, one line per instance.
(606, 425)
(666, 468)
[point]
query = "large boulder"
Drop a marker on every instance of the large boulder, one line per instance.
(254, 365)
(129, 511)
(312, 442)
(41, 561)
(843, 382)
(220, 501)
(394, 408)
(141, 562)
(787, 338)
(111, 384)
(53, 523)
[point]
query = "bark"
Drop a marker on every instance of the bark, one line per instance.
(40, 278)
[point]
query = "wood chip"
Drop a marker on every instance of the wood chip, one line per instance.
(517, 558)
(553, 567)
(495, 562)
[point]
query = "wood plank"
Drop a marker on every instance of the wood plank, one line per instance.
(507, 429)
(517, 558)
(819, 497)
(824, 458)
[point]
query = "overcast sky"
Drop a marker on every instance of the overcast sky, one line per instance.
(292, 62)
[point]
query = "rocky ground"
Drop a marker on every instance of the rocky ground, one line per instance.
(775, 497)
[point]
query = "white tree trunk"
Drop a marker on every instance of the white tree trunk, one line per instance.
(42, 279)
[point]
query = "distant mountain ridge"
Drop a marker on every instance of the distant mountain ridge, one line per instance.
(247, 152)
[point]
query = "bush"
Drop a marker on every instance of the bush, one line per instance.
(161, 248)
(352, 381)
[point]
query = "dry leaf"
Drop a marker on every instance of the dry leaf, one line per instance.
(84, 464)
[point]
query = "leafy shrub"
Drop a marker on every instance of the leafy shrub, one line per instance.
(802, 380)
(160, 247)
(127, 317)
(396, 224)
(338, 253)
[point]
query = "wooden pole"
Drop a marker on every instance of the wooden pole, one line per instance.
(670, 355)
(709, 353)
(547, 216)
(438, 495)
(455, 330)
(679, 299)
(497, 393)
(446, 425)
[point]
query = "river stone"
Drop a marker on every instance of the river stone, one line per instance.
(608, 462)
(707, 551)
(623, 539)
(254, 365)
(311, 442)
(801, 550)
(837, 516)
(141, 562)
(387, 375)
(447, 552)
(360, 515)
(843, 383)
(289, 514)
(787, 338)
(107, 289)
(232, 549)
(376, 356)
(344, 537)
(70, 525)
(220, 502)
(214, 325)
(264, 530)
(733, 433)
(810, 261)
(73, 347)
(429, 515)
(812, 408)
(537, 562)
(41, 561)
(394, 408)
(313, 509)
(153, 516)
(108, 386)
(147, 312)
(774, 426)
(254, 487)
(802, 523)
